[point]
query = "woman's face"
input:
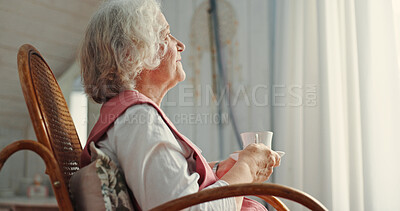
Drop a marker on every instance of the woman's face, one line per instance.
(170, 70)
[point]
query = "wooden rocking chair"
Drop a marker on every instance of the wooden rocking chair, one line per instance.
(58, 143)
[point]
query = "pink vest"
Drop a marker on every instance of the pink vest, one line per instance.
(116, 106)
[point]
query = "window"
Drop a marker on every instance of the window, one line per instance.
(79, 110)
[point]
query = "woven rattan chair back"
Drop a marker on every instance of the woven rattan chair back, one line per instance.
(48, 110)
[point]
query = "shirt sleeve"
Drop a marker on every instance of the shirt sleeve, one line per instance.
(154, 163)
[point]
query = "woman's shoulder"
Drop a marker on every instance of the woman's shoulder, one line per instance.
(141, 108)
(139, 114)
(144, 119)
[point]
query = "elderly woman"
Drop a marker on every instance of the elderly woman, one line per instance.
(129, 61)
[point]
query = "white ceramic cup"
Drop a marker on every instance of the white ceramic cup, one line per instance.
(264, 137)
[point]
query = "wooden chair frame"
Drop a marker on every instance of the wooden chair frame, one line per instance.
(44, 148)
(259, 190)
(53, 170)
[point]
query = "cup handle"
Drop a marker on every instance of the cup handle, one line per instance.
(280, 153)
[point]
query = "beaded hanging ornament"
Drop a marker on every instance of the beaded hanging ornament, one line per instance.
(202, 42)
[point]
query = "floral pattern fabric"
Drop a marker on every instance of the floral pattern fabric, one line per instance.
(113, 185)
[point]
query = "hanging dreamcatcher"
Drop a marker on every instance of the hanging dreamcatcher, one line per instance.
(213, 31)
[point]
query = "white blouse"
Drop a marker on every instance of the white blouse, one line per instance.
(157, 167)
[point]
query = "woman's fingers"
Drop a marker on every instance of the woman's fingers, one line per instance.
(277, 160)
(261, 159)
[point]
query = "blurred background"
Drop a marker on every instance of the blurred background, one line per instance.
(323, 75)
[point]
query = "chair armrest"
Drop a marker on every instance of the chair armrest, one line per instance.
(16, 146)
(274, 202)
(243, 190)
(53, 170)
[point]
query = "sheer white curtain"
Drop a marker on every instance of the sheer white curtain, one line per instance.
(342, 144)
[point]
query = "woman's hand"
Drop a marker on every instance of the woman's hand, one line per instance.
(260, 160)
(255, 165)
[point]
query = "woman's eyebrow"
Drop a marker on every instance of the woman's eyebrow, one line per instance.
(166, 28)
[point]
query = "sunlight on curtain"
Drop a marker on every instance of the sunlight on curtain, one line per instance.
(380, 103)
(344, 150)
(396, 26)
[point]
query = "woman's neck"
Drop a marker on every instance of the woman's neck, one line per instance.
(154, 85)
(156, 94)
(152, 88)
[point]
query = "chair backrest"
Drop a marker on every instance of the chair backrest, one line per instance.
(48, 110)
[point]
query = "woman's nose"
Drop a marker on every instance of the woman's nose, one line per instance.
(181, 46)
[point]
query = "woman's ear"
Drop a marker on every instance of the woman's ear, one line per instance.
(128, 56)
(163, 48)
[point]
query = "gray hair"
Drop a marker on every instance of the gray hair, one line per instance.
(123, 38)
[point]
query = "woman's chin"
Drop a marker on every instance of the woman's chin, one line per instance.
(182, 76)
